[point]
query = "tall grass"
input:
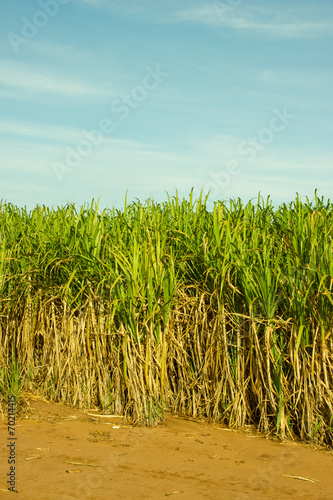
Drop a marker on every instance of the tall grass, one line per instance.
(224, 314)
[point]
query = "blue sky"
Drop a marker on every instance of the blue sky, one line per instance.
(100, 97)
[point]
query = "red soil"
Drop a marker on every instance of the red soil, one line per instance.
(63, 453)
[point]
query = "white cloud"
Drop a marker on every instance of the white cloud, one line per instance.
(298, 79)
(95, 3)
(40, 131)
(43, 81)
(284, 30)
(63, 52)
(266, 21)
(250, 18)
(143, 168)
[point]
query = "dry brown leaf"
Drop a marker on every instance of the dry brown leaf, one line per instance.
(302, 478)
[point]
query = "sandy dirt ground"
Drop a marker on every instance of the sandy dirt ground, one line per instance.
(65, 453)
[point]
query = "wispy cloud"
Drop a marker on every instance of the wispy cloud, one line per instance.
(154, 168)
(283, 30)
(299, 79)
(268, 21)
(58, 52)
(39, 80)
(39, 131)
(255, 18)
(94, 2)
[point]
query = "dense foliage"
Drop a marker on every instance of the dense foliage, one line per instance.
(224, 314)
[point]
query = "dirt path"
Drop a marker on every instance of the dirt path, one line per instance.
(65, 453)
